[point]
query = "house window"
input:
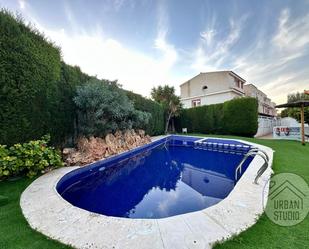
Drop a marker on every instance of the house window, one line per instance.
(238, 83)
(196, 102)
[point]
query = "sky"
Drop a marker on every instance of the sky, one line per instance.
(146, 43)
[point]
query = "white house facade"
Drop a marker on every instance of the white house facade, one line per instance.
(218, 87)
(266, 106)
(211, 88)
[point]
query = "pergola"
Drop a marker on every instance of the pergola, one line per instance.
(300, 104)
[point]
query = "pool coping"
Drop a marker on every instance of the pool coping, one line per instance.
(47, 212)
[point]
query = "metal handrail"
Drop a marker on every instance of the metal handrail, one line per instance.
(260, 150)
(264, 166)
(260, 171)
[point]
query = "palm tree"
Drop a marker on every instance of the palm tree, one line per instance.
(165, 95)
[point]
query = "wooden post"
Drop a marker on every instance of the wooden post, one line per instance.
(302, 118)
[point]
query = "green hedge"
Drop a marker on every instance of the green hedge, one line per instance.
(156, 122)
(64, 127)
(241, 116)
(235, 117)
(37, 88)
(29, 71)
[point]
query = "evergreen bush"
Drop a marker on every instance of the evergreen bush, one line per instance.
(241, 117)
(37, 90)
(155, 125)
(29, 71)
(234, 117)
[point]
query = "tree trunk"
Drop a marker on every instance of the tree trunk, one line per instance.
(167, 122)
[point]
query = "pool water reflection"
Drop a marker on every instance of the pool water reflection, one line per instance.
(160, 182)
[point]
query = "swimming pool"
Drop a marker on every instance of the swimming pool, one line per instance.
(168, 177)
(49, 213)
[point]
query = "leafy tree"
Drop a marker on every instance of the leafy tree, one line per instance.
(295, 112)
(165, 95)
(103, 107)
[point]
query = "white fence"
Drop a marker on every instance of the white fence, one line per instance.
(266, 125)
(280, 128)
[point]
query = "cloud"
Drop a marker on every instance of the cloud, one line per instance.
(21, 4)
(209, 58)
(275, 59)
(118, 4)
(109, 58)
(291, 35)
(97, 54)
(208, 36)
(274, 62)
(169, 52)
(170, 55)
(277, 67)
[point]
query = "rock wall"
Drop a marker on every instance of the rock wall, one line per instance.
(95, 148)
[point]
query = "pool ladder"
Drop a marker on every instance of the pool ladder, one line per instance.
(253, 151)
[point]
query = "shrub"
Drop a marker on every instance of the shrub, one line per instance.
(63, 125)
(29, 158)
(30, 69)
(237, 117)
(104, 108)
(36, 87)
(204, 119)
(155, 125)
(241, 116)
(37, 90)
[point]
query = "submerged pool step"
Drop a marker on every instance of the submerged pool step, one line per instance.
(221, 146)
(210, 144)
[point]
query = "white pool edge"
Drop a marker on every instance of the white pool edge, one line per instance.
(47, 212)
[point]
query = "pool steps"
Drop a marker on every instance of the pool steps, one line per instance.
(240, 149)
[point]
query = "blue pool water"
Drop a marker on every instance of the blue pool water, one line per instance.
(160, 180)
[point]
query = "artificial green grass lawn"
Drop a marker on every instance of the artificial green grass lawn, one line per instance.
(290, 156)
(14, 229)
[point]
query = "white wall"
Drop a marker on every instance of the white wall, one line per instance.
(215, 82)
(211, 99)
(266, 125)
(265, 105)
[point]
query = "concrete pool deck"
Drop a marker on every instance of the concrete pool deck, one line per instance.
(47, 212)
